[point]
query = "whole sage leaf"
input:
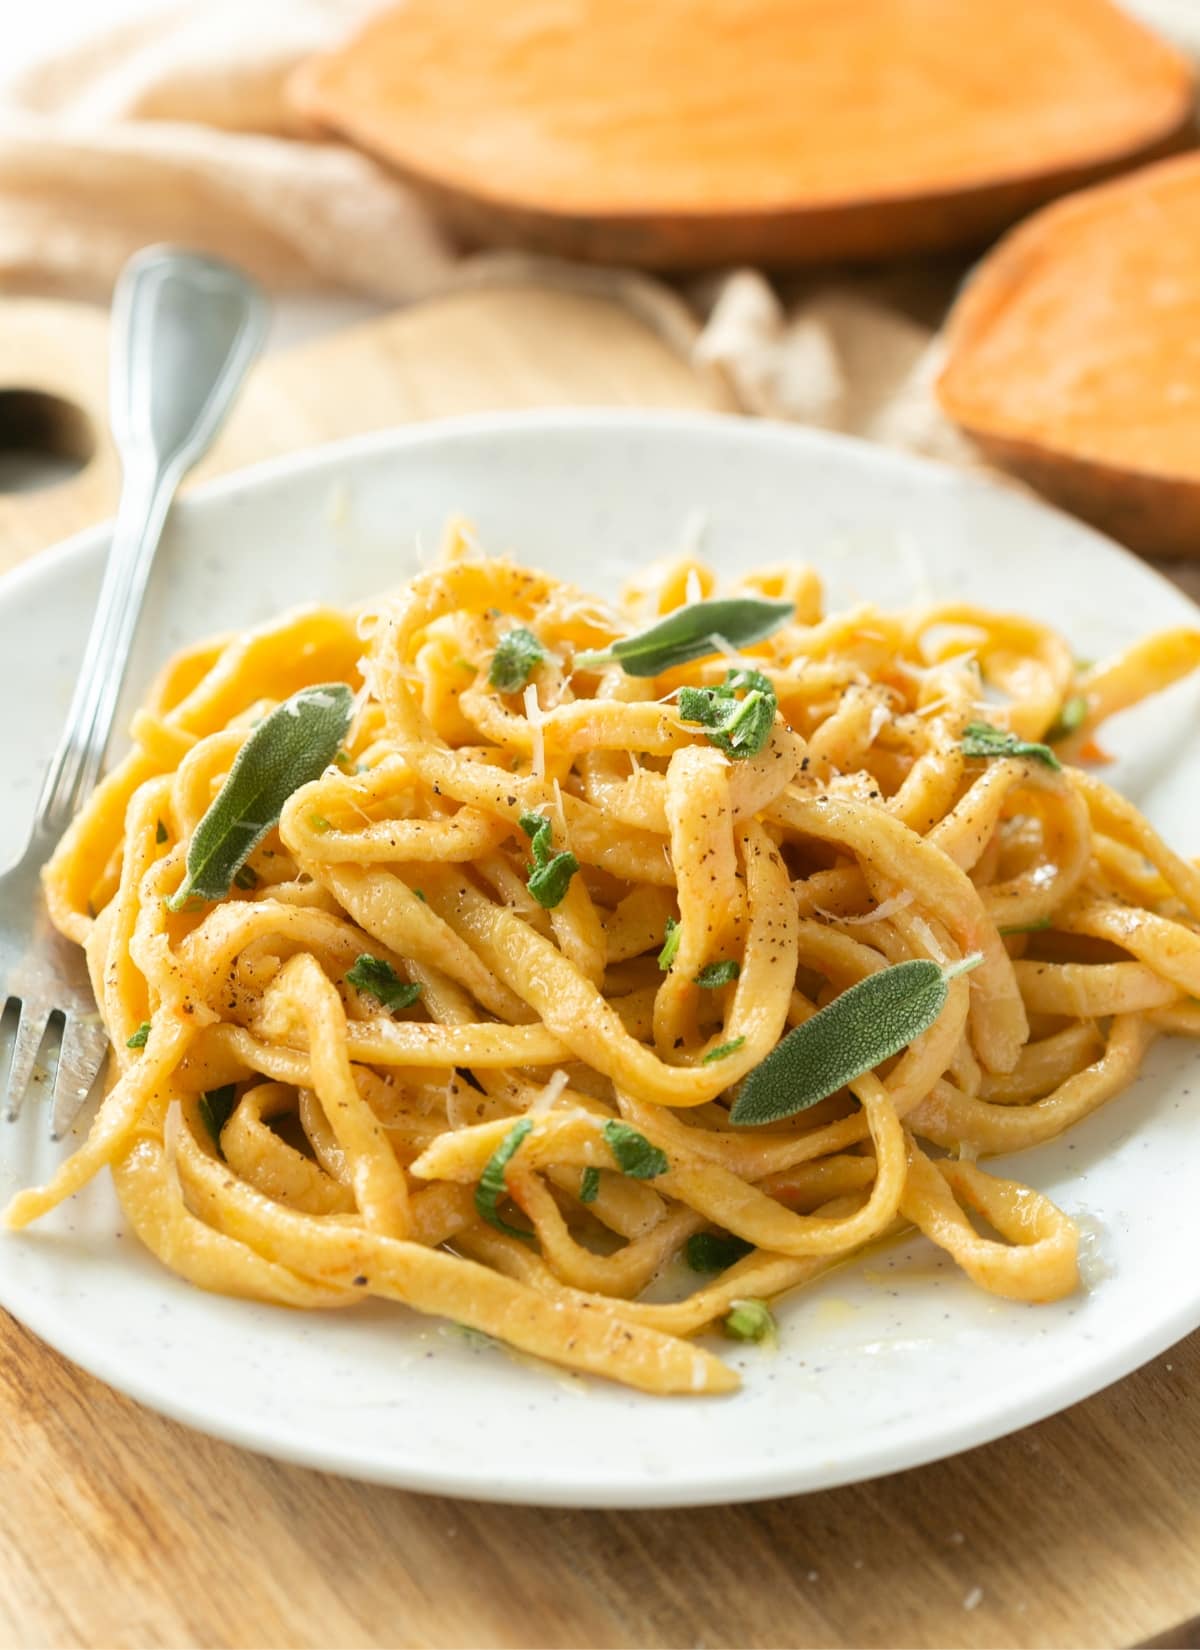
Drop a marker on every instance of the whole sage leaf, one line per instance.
(872, 1021)
(689, 634)
(289, 748)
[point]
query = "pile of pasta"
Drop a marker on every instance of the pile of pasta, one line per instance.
(348, 1162)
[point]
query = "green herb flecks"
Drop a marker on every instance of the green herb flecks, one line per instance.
(246, 878)
(551, 873)
(1071, 717)
(1027, 927)
(716, 974)
(589, 1185)
(216, 1108)
(289, 748)
(138, 1040)
(493, 1187)
(691, 632)
(379, 978)
(516, 657)
(722, 1050)
(872, 1021)
(981, 739)
(160, 832)
(750, 1320)
(671, 937)
(738, 727)
(635, 1156)
(715, 1251)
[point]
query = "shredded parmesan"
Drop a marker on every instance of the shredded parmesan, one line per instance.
(879, 914)
(691, 540)
(533, 713)
(692, 589)
(731, 653)
(549, 1096)
(928, 939)
(172, 1124)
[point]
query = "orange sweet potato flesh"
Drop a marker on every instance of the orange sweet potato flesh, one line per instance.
(1073, 356)
(685, 133)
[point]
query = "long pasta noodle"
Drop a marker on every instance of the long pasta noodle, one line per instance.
(527, 1126)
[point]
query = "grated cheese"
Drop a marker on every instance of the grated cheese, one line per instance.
(879, 914)
(691, 539)
(928, 939)
(549, 1096)
(533, 713)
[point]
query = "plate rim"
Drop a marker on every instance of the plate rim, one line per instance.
(320, 455)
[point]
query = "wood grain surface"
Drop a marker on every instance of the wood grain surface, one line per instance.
(120, 1528)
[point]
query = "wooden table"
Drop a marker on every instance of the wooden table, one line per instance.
(121, 1528)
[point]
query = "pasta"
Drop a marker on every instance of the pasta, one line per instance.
(466, 1028)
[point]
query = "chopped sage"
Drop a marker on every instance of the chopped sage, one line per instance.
(246, 878)
(216, 1108)
(1027, 927)
(378, 977)
(868, 1023)
(981, 739)
(716, 974)
(289, 748)
(738, 727)
(160, 832)
(550, 874)
(493, 1186)
(750, 1320)
(1071, 717)
(635, 1156)
(140, 1036)
(691, 632)
(715, 1251)
(671, 937)
(516, 657)
(589, 1185)
(722, 1049)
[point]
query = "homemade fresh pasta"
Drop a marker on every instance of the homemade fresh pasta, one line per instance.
(591, 976)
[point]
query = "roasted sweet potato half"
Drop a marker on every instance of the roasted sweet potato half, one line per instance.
(684, 133)
(1073, 356)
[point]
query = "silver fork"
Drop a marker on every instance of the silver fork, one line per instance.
(185, 330)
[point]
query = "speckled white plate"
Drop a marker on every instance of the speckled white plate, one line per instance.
(884, 1365)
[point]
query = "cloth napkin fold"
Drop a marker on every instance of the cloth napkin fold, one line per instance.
(176, 127)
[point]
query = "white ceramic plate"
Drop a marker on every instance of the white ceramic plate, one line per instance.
(884, 1365)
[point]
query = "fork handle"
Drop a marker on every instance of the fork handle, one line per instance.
(186, 329)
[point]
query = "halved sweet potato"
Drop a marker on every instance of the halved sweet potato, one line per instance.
(1073, 356)
(683, 133)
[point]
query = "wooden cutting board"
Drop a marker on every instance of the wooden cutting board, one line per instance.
(120, 1528)
(472, 352)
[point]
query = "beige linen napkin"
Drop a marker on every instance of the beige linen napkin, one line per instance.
(176, 127)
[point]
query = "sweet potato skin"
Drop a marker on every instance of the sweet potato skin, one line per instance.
(1105, 472)
(791, 200)
(1158, 516)
(867, 231)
